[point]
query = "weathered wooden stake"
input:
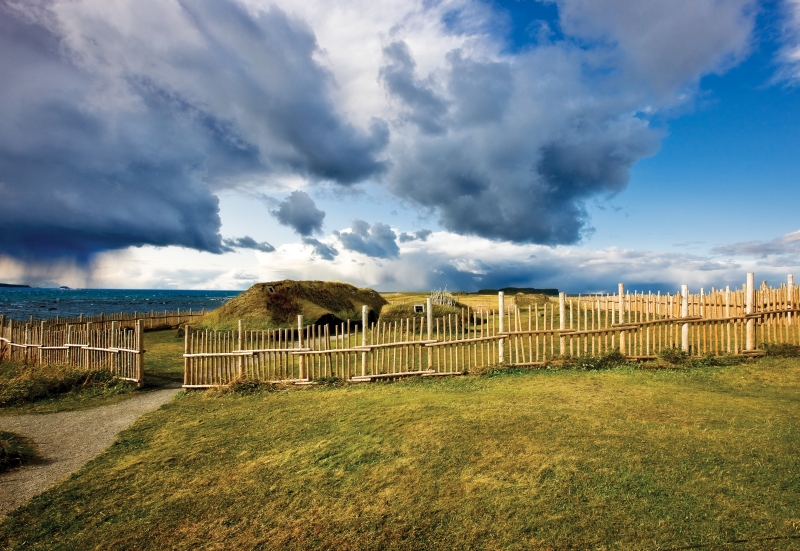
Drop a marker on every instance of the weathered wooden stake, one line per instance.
(239, 347)
(562, 318)
(621, 308)
(140, 355)
(429, 312)
(364, 315)
(727, 315)
(501, 342)
(186, 330)
(789, 296)
(301, 358)
(685, 314)
(748, 309)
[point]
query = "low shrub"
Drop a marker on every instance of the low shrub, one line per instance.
(673, 355)
(783, 350)
(245, 386)
(15, 450)
(21, 384)
(606, 361)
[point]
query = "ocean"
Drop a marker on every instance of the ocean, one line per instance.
(20, 303)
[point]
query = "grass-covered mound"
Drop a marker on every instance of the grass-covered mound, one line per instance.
(398, 312)
(523, 300)
(277, 304)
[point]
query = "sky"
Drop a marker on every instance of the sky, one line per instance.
(399, 145)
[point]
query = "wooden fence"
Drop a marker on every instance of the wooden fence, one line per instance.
(150, 321)
(90, 346)
(639, 325)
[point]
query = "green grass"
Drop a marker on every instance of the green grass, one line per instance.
(15, 450)
(49, 389)
(163, 359)
(622, 458)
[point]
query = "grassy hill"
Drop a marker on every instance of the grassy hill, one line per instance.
(277, 304)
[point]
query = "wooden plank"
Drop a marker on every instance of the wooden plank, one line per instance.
(475, 339)
(308, 351)
(367, 348)
(363, 378)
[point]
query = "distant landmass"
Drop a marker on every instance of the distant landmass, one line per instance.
(515, 290)
(14, 285)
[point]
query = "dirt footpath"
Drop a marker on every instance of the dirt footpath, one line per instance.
(68, 440)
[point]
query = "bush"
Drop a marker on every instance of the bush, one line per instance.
(245, 386)
(15, 450)
(673, 355)
(606, 361)
(784, 350)
(21, 384)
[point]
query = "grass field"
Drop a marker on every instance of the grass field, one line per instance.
(553, 459)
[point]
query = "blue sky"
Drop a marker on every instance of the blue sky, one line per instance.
(399, 145)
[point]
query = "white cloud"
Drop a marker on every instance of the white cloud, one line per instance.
(445, 259)
(789, 54)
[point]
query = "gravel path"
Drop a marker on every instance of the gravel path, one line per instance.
(67, 441)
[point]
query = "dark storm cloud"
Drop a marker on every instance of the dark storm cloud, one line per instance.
(422, 106)
(326, 252)
(515, 162)
(421, 235)
(377, 241)
(299, 212)
(246, 242)
(111, 137)
(511, 148)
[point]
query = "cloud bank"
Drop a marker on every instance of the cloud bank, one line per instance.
(118, 121)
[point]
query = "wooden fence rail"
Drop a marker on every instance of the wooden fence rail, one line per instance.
(640, 326)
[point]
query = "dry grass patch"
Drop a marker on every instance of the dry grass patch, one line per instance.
(48, 388)
(616, 459)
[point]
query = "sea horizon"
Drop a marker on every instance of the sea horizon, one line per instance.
(20, 303)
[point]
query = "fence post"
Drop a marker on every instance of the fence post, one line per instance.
(10, 337)
(562, 315)
(429, 306)
(301, 358)
(727, 315)
(139, 355)
(685, 314)
(239, 346)
(501, 307)
(789, 293)
(113, 360)
(364, 324)
(186, 330)
(41, 342)
(621, 310)
(748, 309)
(88, 361)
